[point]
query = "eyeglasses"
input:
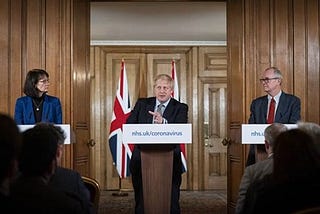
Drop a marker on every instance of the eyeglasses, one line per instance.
(44, 81)
(267, 80)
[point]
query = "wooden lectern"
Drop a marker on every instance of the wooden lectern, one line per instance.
(156, 167)
(156, 160)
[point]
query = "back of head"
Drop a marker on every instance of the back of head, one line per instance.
(295, 156)
(39, 149)
(273, 131)
(10, 140)
(312, 129)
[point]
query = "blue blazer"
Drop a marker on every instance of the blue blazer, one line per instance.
(288, 110)
(24, 115)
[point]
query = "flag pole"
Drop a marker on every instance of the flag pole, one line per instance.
(120, 193)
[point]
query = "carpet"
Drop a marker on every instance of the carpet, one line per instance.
(191, 202)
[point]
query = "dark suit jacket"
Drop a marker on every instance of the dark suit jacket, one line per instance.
(252, 174)
(175, 112)
(288, 110)
(33, 195)
(24, 115)
(71, 183)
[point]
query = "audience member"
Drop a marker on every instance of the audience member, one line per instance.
(68, 180)
(260, 169)
(294, 184)
(37, 163)
(10, 139)
(312, 129)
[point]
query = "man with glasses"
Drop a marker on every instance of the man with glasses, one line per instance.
(275, 107)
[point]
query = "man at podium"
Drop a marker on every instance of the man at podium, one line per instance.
(161, 109)
(275, 107)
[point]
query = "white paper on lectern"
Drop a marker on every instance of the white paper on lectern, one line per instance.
(64, 127)
(254, 133)
(157, 133)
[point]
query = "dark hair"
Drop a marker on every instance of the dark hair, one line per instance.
(295, 157)
(39, 149)
(32, 79)
(10, 141)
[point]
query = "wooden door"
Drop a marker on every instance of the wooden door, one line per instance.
(213, 116)
(161, 63)
(135, 69)
(236, 99)
(202, 83)
(141, 68)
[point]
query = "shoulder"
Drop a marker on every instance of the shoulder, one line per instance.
(260, 99)
(23, 99)
(290, 96)
(177, 103)
(50, 98)
(146, 100)
(66, 172)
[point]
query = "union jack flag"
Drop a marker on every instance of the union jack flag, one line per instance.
(175, 95)
(121, 153)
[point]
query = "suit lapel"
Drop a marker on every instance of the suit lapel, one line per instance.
(169, 109)
(45, 110)
(265, 110)
(29, 111)
(281, 107)
(150, 107)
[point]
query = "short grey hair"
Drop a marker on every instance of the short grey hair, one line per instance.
(311, 129)
(272, 132)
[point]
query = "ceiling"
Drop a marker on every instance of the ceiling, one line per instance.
(119, 23)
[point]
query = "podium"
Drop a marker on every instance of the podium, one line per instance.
(254, 133)
(64, 127)
(157, 160)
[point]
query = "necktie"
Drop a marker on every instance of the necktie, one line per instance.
(160, 109)
(271, 111)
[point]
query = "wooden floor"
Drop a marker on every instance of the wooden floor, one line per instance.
(191, 202)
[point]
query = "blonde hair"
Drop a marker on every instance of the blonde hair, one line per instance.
(165, 77)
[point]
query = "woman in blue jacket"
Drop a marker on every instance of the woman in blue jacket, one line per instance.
(37, 105)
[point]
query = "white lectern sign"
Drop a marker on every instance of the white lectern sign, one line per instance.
(157, 133)
(254, 133)
(64, 127)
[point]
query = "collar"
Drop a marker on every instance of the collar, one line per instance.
(165, 103)
(276, 98)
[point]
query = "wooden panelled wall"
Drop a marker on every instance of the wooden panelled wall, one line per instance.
(264, 33)
(52, 35)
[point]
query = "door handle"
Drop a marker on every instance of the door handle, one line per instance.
(226, 141)
(91, 143)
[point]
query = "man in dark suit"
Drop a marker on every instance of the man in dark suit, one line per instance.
(69, 181)
(286, 109)
(10, 141)
(262, 168)
(31, 191)
(145, 111)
